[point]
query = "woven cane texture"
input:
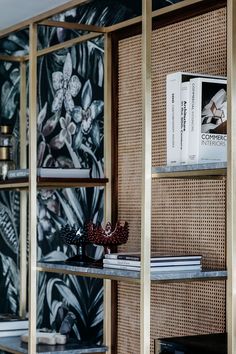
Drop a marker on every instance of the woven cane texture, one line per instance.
(177, 309)
(188, 215)
(197, 45)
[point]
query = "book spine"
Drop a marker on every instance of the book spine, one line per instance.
(173, 84)
(184, 131)
(129, 258)
(194, 124)
(18, 173)
(153, 263)
(121, 262)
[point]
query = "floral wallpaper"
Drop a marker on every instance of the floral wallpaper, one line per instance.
(70, 134)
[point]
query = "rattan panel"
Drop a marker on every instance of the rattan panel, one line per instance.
(188, 215)
(189, 218)
(196, 45)
(176, 310)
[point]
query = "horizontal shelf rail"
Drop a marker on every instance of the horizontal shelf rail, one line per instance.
(194, 170)
(73, 26)
(127, 275)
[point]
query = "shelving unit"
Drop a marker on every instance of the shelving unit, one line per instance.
(148, 177)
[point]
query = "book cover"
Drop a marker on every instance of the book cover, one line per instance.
(208, 121)
(173, 113)
(184, 130)
(155, 269)
(154, 263)
(11, 322)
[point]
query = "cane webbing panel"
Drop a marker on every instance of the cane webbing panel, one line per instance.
(177, 309)
(188, 215)
(197, 45)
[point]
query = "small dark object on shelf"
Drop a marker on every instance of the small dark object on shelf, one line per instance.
(107, 236)
(67, 323)
(75, 236)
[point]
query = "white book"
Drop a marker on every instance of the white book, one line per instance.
(12, 322)
(153, 263)
(63, 172)
(136, 256)
(184, 130)
(208, 121)
(154, 269)
(173, 113)
(13, 333)
(46, 172)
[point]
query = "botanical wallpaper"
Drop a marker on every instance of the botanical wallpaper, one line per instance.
(70, 134)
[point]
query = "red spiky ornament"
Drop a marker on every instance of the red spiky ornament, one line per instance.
(107, 236)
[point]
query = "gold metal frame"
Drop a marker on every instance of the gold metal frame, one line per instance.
(146, 179)
(231, 177)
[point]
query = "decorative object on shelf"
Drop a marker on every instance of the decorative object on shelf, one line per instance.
(67, 323)
(107, 236)
(50, 338)
(75, 236)
(7, 147)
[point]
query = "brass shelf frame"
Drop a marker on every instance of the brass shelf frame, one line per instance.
(146, 19)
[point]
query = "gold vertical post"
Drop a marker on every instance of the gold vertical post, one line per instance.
(231, 177)
(23, 194)
(108, 191)
(33, 187)
(146, 178)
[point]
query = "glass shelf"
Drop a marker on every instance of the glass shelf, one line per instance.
(14, 345)
(194, 170)
(127, 275)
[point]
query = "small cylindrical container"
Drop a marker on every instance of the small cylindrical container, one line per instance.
(7, 139)
(6, 163)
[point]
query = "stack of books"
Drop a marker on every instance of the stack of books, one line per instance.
(132, 261)
(44, 172)
(196, 125)
(12, 326)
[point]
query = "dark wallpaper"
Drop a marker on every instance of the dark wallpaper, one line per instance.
(70, 134)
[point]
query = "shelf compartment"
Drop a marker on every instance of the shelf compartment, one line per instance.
(126, 275)
(14, 345)
(54, 183)
(194, 170)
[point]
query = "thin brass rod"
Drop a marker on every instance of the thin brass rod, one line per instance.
(67, 44)
(145, 301)
(10, 58)
(23, 194)
(108, 191)
(33, 189)
(156, 13)
(231, 176)
(73, 26)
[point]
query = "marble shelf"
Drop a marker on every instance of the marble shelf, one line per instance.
(14, 345)
(127, 275)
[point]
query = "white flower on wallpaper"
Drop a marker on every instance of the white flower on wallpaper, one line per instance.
(66, 86)
(89, 110)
